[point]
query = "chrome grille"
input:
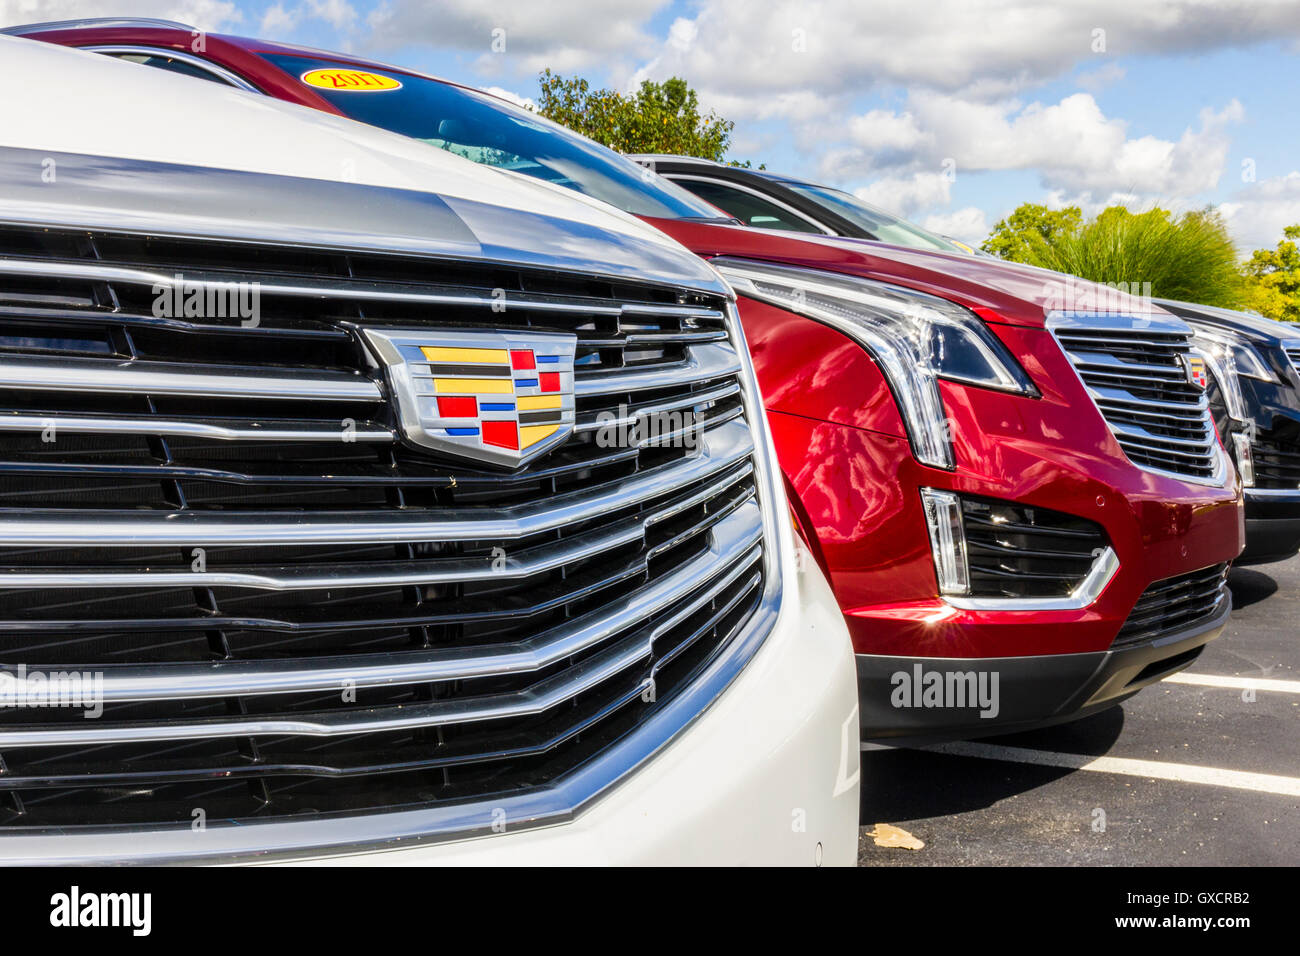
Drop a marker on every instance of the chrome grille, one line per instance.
(293, 612)
(1133, 370)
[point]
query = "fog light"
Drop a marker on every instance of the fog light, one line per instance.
(1245, 460)
(947, 540)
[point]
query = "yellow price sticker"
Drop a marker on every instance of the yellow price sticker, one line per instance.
(350, 81)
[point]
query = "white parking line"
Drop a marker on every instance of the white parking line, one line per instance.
(1236, 683)
(1181, 772)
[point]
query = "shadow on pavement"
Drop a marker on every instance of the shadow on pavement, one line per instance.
(1249, 586)
(901, 785)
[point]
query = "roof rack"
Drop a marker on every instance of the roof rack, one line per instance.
(27, 29)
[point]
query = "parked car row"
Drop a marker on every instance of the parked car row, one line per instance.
(1024, 490)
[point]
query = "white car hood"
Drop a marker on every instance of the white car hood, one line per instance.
(85, 104)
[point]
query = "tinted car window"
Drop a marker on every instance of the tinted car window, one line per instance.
(172, 65)
(880, 224)
(490, 131)
(745, 206)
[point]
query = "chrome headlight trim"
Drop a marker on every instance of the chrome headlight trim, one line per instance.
(1225, 352)
(902, 330)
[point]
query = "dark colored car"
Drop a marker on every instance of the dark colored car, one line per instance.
(1255, 365)
(1011, 477)
(768, 200)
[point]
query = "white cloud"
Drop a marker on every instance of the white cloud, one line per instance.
(887, 131)
(970, 225)
(277, 20)
(906, 195)
(1094, 81)
(210, 15)
(807, 109)
(1259, 212)
(1072, 145)
(564, 35)
(525, 101)
(980, 47)
(682, 33)
(337, 13)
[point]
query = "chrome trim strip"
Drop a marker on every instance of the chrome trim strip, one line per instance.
(309, 431)
(703, 362)
(1129, 430)
(1122, 322)
(340, 288)
(595, 423)
(720, 448)
(534, 560)
(1104, 569)
(1108, 364)
(218, 72)
(71, 424)
(1135, 340)
(1115, 396)
(161, 378)
(733, 548)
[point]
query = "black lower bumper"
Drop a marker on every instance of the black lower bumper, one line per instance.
(1272, 527)
(924, 699)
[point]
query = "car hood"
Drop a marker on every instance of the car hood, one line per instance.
(96, 133)
(1247, 323)
(997, 290)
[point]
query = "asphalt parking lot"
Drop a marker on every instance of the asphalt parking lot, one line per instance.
(1191, 771)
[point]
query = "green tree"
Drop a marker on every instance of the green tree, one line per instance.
(1013, 237)
(1190, 257)
(658, 118)
(1272, 279)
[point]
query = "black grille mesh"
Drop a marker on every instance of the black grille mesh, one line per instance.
(1018, 551)
(1175, 604)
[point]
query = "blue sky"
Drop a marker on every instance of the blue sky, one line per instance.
(950, 112)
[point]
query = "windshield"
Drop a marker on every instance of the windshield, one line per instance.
(886, 227)
(490, 131)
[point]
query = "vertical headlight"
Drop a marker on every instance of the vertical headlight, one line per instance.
(915, 339)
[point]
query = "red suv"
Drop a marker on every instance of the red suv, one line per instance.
(1010, 476)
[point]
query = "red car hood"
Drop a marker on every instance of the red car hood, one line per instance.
(996, 290)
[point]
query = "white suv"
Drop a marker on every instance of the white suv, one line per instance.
(357, 501)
